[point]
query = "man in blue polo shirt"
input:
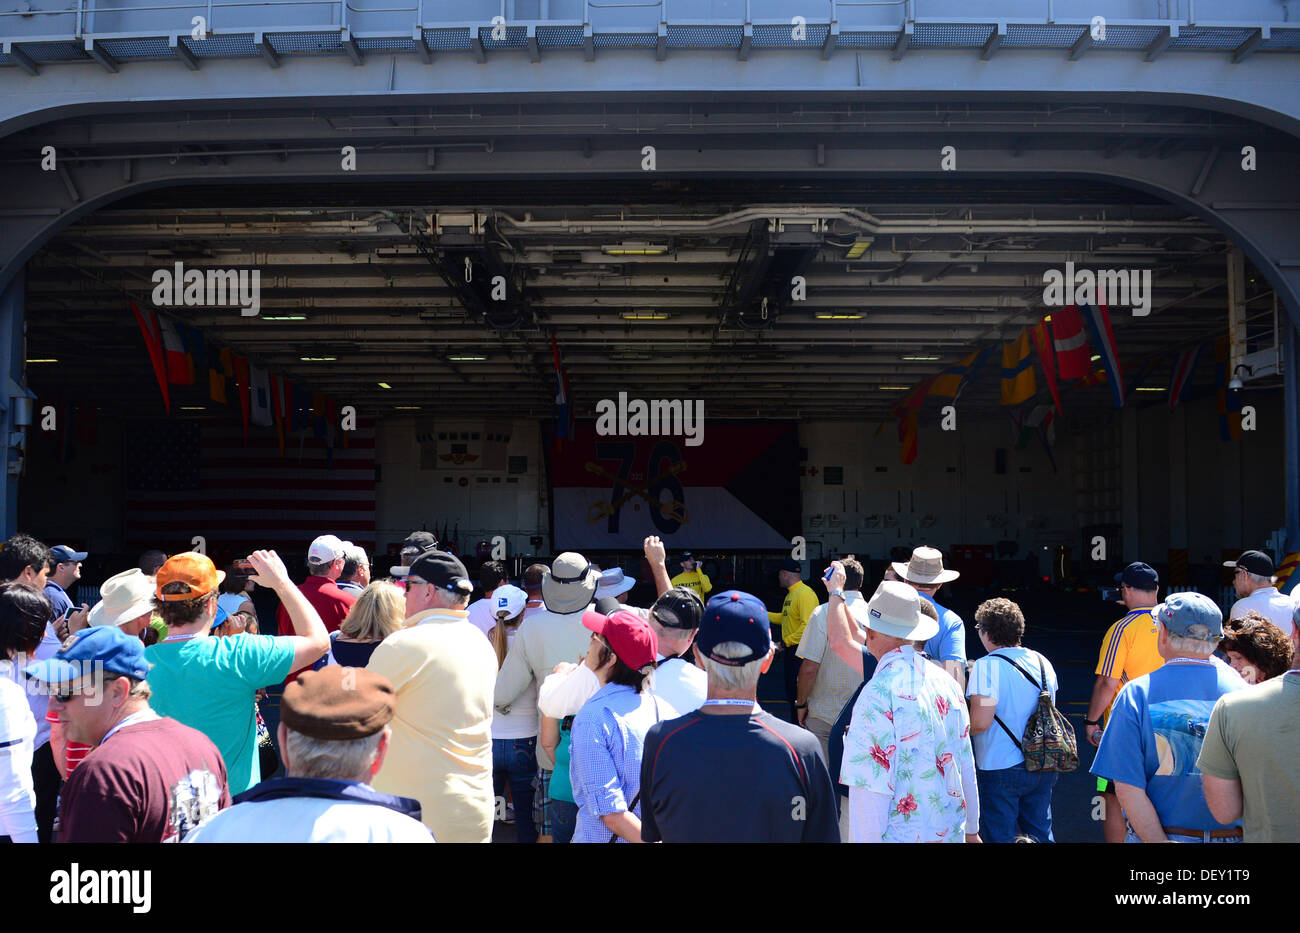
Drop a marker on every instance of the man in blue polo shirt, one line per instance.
(1157, 724)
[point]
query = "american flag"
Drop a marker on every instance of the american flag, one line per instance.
(188, 477)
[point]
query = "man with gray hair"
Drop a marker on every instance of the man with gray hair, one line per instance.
(1256, 588)
(355, 575)
(442, 670)
(730, 771)
(1157, 725)
(334, 736)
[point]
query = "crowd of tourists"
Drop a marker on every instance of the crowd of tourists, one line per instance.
(411, 712)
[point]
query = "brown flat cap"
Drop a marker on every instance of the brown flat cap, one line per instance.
(338, 703)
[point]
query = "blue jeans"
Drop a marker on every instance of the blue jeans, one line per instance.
(515, 760)
(1015, 801)
(564, 818)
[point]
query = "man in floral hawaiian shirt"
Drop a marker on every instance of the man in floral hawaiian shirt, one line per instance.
(907, 755)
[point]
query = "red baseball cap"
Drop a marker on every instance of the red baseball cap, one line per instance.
(631, 637)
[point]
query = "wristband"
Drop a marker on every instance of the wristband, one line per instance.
(1092, 722)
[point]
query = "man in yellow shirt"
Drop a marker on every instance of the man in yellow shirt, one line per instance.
(800, 602)
(693, 577)
(443, 673)
(1128, 651)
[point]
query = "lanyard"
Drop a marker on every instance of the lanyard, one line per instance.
(143, 716)
(181, 637)
(749, 703)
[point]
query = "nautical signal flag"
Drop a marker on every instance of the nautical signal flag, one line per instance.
(1018, 383)
(1182, 375)
(1047, 359)
(1070, 343)
(1229, 402)
(1097, 320)
(907, 435)
(151, 330)
(180, 365)
(952, 380)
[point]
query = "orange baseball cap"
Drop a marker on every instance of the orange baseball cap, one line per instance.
(194, 570)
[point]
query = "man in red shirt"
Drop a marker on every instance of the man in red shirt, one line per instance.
(324, 564)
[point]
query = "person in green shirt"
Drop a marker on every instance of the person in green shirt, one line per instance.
(800, 601)
(210, 683)
(693, 577)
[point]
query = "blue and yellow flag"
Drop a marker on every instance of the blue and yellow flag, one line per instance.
(951, 380)
(1018, 383)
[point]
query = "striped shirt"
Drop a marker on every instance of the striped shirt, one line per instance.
(75, 752)
(1129, 649)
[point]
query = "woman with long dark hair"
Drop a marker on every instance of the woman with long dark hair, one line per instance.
(23, 613)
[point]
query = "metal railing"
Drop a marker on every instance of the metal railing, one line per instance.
(1165, 12)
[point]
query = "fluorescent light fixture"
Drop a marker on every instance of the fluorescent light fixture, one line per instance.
(634, 249)
(1151, 388)
(466, 359)
(318, 359)
(42, 361)
(860, 246)
(920, 359)
(406, 407)
(284, 317)
(644, 315)
(893, 388)
(1095, 357)
(192, 408)
(384, 385)
(836, 316)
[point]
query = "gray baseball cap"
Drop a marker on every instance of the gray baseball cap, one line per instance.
(1190, 615)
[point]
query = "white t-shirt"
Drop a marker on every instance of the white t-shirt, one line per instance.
(17, 731)
(310, 819)
(521, 721)
(1268, 602)
(1016, 700)
(682, 686)
(480, 614)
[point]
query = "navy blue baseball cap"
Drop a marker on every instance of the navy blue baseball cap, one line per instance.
(1190, 615)
(63, 554)
(1138, 575)
(791, 565)
(105, 647)
(735, 616)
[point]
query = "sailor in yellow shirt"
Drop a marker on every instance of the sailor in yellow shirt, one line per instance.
(800, 602)
(1128, 651)
(692, 576)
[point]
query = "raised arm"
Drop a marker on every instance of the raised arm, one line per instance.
(655, 556)
(845, 640)
(310, 639)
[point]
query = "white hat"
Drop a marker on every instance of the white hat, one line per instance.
(325, 550)
(895, 610)
(614, 582)
(124, 597)
(925, 568)
(508, 601)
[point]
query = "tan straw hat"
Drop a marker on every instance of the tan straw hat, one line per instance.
(925, 568)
